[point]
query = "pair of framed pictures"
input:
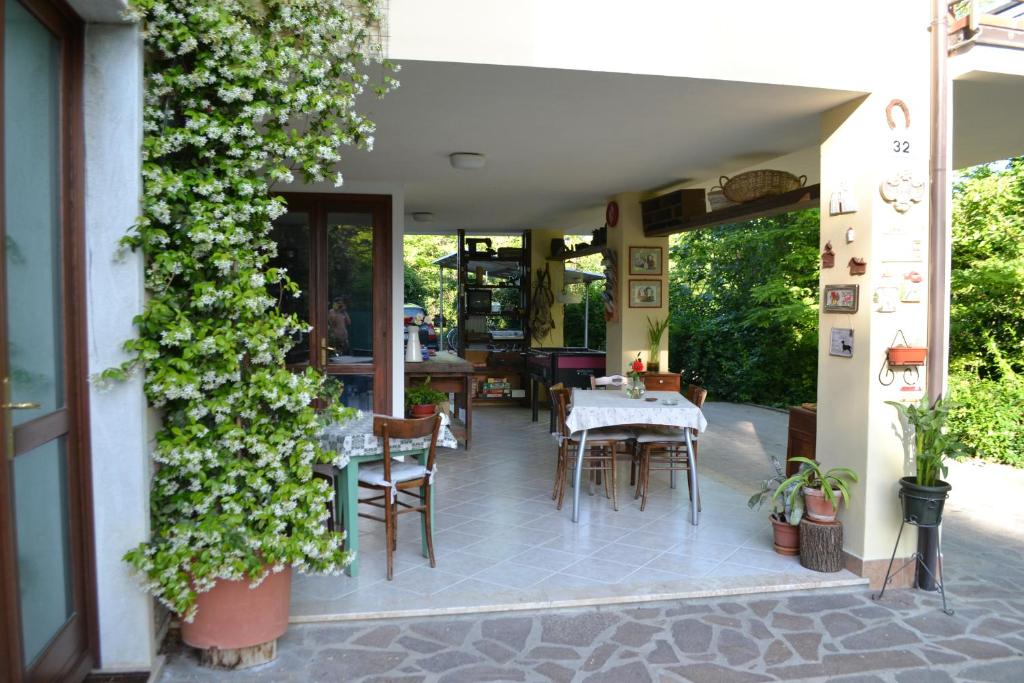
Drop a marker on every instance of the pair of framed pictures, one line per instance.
(645, 261)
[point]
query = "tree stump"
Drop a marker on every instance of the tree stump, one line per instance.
(821, 545)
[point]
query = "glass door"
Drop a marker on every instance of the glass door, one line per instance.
(338, 249)
(42, 565)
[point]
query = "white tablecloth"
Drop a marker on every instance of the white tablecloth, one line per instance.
(355, 438)
(594, 409)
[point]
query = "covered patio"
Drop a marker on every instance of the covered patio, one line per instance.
(502, 545)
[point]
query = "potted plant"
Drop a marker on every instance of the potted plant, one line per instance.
(234, 504)
(924, 434)
(655, 331)
(822, 491)
(421, 400)
(785, 517)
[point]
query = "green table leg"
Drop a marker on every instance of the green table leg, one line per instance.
(422, 458)
(349, 507)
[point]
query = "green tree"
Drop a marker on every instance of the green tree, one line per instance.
(744, 309)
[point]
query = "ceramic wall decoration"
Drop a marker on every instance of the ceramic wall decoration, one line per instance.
(858, 266)
(902, 106)
(903, 249)
(851, 235)
(910, 291)
(886, 296)
(841, 342)
(842, 201)
(828, 257)
(902, 191)
(841, 298)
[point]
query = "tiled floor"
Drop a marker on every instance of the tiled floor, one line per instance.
(501, 544)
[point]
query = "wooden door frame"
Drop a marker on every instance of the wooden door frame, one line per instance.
(318, 205)
(74, 649)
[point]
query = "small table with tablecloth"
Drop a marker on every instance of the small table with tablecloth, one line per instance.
(354, 443)
(597, 409)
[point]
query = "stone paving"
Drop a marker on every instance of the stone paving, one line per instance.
(835, 636)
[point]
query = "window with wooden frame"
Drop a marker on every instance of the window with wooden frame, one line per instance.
(337, 248)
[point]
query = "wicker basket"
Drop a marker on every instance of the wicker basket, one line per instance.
(717, 199)
(746, 187)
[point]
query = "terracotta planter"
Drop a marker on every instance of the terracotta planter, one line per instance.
(906, 355)
(232, 616)
(819, 509)
(786, 536)
(424, 410)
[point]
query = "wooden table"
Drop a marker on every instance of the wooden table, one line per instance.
(450, 374)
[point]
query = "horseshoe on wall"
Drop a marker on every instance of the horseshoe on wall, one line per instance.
(906, 113)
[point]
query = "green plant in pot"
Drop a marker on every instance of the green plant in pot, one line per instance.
(822, 491)
(785, 516)
(655, 332)
(421, 400)
(925, 437)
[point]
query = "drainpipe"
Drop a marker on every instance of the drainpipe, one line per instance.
(586, 314)
(940, 241)
(440, 309)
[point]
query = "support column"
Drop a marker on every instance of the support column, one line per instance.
(883, 168)
(627, 335)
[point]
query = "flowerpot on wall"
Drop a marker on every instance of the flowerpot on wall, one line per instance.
(234, 617)
(922, 505)
(906, 355)
(424, 410)
(818, 508)
(786, 537)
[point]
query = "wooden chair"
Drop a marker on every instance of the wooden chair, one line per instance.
(394, 479)
(558, 462)
(617, 382)
(599, 457)
(665, 450)
(611, 381)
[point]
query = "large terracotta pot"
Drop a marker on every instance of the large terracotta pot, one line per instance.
(786, 537)
(819, 509)
(231, 615)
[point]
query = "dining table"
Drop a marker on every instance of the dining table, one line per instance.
(595, 409)
(353, 444)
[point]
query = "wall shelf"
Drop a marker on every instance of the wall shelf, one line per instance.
(585, 251)
(800, 198)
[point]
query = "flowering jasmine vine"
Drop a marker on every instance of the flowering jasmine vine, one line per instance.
(239, 95)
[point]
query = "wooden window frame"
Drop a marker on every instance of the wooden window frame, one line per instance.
(317, 205)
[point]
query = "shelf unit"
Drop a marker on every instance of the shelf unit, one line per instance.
(800, 198)
(582, 251)
(517, 273)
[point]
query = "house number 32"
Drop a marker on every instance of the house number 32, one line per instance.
(901, 146)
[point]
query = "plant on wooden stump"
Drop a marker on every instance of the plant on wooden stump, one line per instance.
(822, 491)
(239, 95)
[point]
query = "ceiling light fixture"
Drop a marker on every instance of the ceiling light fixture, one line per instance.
(423, 216)
(467, 160)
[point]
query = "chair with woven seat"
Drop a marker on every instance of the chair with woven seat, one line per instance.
(599, 456)
(394, 479)
(664, 449)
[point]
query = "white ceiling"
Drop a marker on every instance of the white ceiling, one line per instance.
(559, 143)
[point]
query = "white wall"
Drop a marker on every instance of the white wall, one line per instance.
(114, 294)
(798, 42)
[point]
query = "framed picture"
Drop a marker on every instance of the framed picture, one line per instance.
(841, 298)
(645, 293)
(841, 342)
(645, 260)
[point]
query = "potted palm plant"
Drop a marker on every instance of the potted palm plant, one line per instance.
(655, 331)
(421, 400)
(822, 491)
(924, 435)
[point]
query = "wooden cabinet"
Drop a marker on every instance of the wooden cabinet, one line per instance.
(803, 430)
(663, 382)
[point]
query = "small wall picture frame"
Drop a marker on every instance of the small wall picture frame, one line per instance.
(645, 261)
(841, 298)
(645, 293)
(841, 342)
